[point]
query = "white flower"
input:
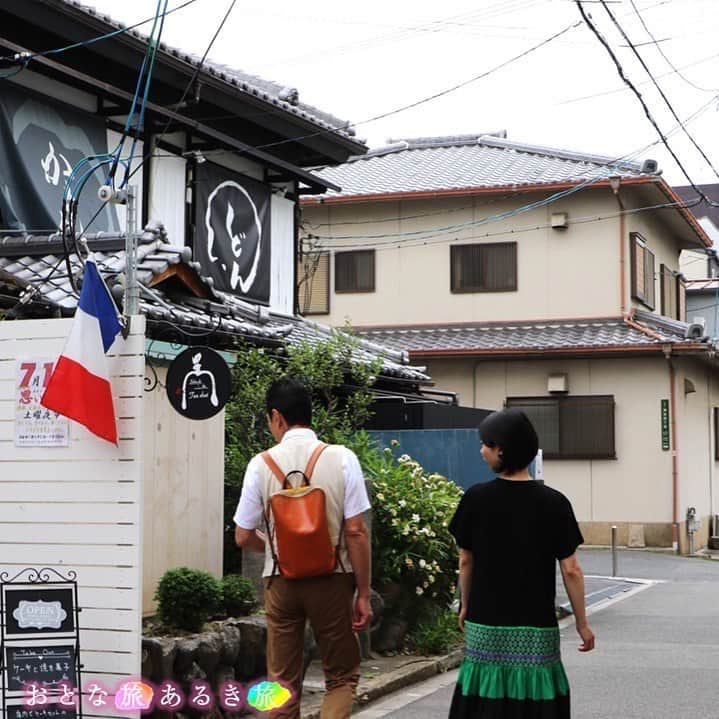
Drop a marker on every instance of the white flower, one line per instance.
(425, 584)
(393, 512)
(422, 563)
(431, 578)
(380, 496)
(420, 591)
(395, 443)
(402, 503)
(405, 530)
(404, 459)
(395, 522)
(415, 517)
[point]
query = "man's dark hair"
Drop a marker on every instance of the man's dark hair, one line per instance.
(511, 430)
(291, 398)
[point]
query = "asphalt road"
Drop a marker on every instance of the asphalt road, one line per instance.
(657, 654)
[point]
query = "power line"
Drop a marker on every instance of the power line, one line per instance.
(604, 93)
(658, 86)
(26, 58)
(663, 54)
(632, 87)
(426, 241)
(187, 89)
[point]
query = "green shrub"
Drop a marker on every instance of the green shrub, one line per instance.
(238, 594)
(187, 598)
(438, 633)
(412, 549)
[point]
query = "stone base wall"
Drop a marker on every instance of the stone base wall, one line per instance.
(231, 649)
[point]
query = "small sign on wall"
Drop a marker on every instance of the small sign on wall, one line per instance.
(52, 711)
(49, 666)
(666, 440)
(198, 383)
(35, 425)
(42, 610)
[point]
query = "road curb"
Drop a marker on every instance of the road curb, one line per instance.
(372, 689)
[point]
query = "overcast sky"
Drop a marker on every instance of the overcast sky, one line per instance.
(358, 60)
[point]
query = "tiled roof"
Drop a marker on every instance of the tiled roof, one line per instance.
(643, 331)
(26, 265)
(285, 98)
(467, 161)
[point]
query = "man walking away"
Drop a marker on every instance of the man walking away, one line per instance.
(311, 571)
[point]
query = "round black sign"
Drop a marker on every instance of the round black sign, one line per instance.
(198, 383)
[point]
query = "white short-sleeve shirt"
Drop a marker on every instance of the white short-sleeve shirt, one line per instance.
(250, 508)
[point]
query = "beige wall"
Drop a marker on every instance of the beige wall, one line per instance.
(637, 486)
(183, 491)
(553, 265)
(561, 273)
(694, 264)
(665, 245)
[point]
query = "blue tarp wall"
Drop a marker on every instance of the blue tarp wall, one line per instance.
(454, 453)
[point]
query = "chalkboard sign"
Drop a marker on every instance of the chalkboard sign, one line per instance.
(48, 712)
(48, 665)
(198, 383)
(39, 610)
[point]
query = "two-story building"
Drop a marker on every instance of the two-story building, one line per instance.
(543, 279)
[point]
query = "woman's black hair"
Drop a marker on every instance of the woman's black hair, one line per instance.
(511, 430)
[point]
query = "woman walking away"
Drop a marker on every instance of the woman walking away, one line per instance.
(511, 531)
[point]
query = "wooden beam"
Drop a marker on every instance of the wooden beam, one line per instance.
(188, 278)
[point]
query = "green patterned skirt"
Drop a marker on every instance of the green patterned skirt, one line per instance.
(511, 673)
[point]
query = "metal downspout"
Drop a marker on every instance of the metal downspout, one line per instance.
(615, 183)
(675, 461)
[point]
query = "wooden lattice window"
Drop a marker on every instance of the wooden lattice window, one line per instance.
(486, 267)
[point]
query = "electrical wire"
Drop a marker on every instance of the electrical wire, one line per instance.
(663, 54)
(639, 57)
(617, 90)
(167, 126)
(84, 43)
(645, 107)
(427, 241)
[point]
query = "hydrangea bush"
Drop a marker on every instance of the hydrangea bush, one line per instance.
(412, 549)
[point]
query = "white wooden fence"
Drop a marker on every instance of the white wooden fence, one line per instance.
(79, 507)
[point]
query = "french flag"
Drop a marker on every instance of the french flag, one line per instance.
(79, 387)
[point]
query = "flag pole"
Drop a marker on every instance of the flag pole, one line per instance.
(131, 299)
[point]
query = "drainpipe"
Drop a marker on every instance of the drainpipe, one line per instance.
(675, 463)
(614, 183)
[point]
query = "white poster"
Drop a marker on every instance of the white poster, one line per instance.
(36, 426)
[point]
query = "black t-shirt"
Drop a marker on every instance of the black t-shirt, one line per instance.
(516, 531)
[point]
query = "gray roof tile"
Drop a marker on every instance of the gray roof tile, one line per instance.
(281, 96)
(466, 161)
(223, 311)
(645, 329)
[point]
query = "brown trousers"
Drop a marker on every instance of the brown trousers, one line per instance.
(327, 603)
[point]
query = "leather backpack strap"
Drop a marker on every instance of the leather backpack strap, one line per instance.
(321, 447)
(274, 467)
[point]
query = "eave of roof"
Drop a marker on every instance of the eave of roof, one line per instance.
(639, 333)
(230, 79)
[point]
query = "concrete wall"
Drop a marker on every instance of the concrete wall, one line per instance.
(553, 265)
(636, 487)
(183, 491)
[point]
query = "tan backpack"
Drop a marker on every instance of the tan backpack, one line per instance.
(300, 544)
